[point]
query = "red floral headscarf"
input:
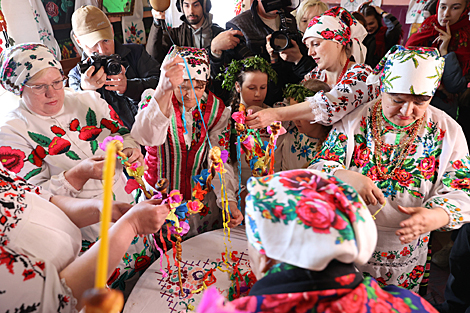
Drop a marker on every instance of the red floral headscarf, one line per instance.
(307, 219)
(426, 34)
(339, 25)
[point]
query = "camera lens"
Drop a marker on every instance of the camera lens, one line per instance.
(113, 67)
(279, 41)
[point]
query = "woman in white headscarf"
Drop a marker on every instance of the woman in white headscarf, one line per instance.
(408, 160)
(334, 40)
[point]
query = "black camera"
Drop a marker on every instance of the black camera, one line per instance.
(111, 64)
(282, 39)
(271, 5)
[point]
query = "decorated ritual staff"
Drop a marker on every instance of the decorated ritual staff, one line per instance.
(52, 140)
(306, 232)
(409, 162)
(178, 133)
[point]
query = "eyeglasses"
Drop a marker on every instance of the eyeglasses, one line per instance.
(41, 89)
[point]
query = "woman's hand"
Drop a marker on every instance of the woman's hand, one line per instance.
(444, 37)
(119, 209)
(262, 119)
(147, 217)
(366, 188)
(422, 220)
(171, 76)
(91, 168)
(134, 154)
(236, 217)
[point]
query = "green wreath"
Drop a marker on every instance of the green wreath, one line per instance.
(230, 73)
(297, 92)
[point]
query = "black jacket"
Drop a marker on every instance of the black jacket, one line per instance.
(254, 43)
(392, 37)
(159, 43)
(142, 72)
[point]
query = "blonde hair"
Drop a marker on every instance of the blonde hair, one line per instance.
(307, 4)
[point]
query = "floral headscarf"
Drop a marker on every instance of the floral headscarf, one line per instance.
(197, 60)
(21, 62)
(307, 218)
(339, 25)
(412, 70)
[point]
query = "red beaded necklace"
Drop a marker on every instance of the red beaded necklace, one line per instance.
(345, 68)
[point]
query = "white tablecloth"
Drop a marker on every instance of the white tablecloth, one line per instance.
(155, 293)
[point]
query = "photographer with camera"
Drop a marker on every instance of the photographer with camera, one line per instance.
(118, 72)
(266, 20)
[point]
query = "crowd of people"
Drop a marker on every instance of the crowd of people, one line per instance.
(374, 156)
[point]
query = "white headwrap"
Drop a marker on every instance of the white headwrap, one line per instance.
(412, 70)
(339, 25)
(196, 59)
(307, 219)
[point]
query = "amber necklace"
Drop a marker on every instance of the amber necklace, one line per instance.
(403, 148)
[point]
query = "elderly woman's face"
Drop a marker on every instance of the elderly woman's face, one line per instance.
(404, 109)
(186, 95)
(49, 102)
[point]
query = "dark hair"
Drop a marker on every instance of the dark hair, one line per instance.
(368, 10)
(316, 85)
(431, 7)
(359, 17)
(234, 101)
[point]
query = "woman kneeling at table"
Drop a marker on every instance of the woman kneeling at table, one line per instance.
(409, 162)
(306, 231)
(40, 240)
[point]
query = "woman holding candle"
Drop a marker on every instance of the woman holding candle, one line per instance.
(47, 274)
(52, 139)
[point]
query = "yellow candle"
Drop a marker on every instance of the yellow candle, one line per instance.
(108, 177)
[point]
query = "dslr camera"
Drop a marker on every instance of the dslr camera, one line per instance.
(111, 64)
(281, 39)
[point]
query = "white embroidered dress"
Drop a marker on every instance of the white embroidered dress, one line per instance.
(29, 264)
(435, 173)
(41, 149)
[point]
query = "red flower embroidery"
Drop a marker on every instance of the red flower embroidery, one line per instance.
(379, 306)
(114, 115)
(58, 145)
(89, 133)
(318, 214)
(327, 34)
(109, 125)
(295, 180)
(51, 9)
(57, 130)
(361, 155)
(331, 156)
(74, 125)
(12, 159)
(463, 183)
(8, 259)
(114, 276)
(345, 279)
(458, 165)
(28, 274)
(355, 300)
(280, 303)
(37, 155)
(427, 167)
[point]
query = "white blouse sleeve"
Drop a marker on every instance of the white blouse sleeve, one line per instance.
(151, 126)
(351, 92)
(30, 284)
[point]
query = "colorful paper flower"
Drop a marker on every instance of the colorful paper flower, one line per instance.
(195, 206)
(224, 156)
(182, 230)
(175, 198)
(109, 139)
(131, 185)
(239, 117)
